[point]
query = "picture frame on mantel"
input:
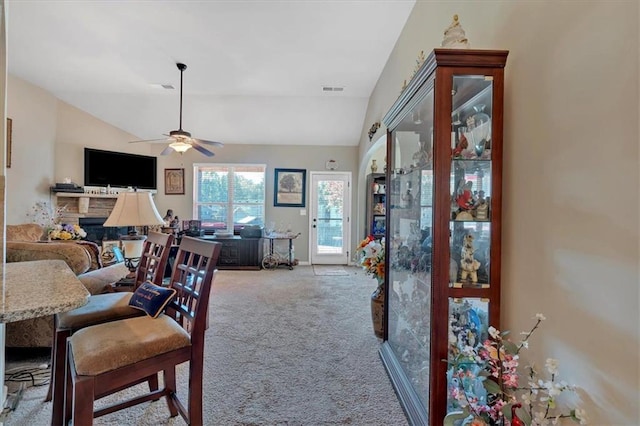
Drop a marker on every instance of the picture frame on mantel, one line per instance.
(289, 187)
(174, 181)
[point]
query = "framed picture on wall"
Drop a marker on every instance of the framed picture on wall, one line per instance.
(289, 187)
(173, 181)
(9, 141)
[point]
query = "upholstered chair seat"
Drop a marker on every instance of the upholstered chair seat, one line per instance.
(112, 345)
(99, 308)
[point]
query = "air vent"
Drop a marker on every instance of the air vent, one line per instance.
(332, 89)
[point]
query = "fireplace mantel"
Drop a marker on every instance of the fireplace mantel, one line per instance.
(80, 204)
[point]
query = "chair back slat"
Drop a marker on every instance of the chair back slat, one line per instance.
(192, 278)
(154, 258)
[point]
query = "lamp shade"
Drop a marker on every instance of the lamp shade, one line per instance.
(134, 209)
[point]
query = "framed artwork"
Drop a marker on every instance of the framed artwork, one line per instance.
(9, 135)
(107, 248)
(289, 187)
(173, 181)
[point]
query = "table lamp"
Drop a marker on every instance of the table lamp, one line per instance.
(133, 209)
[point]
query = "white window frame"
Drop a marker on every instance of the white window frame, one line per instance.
(230, 202)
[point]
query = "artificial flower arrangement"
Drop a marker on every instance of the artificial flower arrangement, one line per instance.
(46, 215)
(371, 258)
(485, 387)
(66, 232)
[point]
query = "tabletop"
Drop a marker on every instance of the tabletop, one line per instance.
(39, 288)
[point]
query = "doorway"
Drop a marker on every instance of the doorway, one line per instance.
(330, 210)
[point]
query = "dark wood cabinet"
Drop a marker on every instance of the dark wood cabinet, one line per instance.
(376, 205)
(443, 224)
(240, 253)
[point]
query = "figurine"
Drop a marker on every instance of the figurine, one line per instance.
(468, 264)
(454, 36)
(464, 197)
(168, 217)
(461, 146)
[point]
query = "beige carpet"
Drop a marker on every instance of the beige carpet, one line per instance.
(329, 270)
(284, 348)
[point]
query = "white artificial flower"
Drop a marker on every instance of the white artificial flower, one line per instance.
(540, 317)
(582, 416)
(552, 365)
(525, 345)
(495, 333)
(527, 398)
(539, 418)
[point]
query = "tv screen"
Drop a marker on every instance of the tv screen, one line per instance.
(119, 169)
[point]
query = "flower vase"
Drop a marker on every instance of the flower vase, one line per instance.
(377, 309)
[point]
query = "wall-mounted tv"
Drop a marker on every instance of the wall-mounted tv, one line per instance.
(119, 169)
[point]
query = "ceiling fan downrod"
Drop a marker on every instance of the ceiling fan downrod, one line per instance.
(181, 67)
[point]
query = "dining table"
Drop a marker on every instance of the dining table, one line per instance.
(35, 289)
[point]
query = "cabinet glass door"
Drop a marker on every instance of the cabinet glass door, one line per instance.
(470, 234)
(410, 201)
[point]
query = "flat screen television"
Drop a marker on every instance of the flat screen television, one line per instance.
(119, 169)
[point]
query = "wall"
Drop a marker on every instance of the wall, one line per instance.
(571, 182)
(311, 158)
(50, 135)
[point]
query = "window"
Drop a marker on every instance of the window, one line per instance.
(229, 196)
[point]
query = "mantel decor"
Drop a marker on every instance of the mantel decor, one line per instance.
(289, 187)
(174, 181)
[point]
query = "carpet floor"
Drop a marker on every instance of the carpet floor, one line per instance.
(283, 348)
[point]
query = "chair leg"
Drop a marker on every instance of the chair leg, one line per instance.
(195, 391)
(170, 386)
(153, 383)
(68, 395)
(59, 351)
(83, 394)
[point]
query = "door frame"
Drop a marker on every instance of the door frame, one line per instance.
(347, 211)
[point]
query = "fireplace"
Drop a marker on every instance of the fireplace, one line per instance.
(97, 233)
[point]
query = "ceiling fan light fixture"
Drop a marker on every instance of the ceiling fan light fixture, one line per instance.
(180, 146)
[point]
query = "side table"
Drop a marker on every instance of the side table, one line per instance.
(124, 285)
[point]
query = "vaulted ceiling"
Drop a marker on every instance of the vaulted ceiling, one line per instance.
(257, 70)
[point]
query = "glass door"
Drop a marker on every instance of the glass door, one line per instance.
(471, 189)
(329, 222)
(410, 192)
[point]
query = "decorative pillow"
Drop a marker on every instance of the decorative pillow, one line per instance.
(152, 298)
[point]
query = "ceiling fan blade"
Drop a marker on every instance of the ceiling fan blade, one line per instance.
(168, 150)
(163, 140)
(202, 149)
(220, 144)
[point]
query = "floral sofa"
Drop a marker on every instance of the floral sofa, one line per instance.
(24, 243)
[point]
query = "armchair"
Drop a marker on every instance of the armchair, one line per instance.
(25, 243)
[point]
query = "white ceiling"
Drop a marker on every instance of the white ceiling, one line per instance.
(255, 68)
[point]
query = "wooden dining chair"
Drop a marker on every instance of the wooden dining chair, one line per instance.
(109, 357)
(103, 308)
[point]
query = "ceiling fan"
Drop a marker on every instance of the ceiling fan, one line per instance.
(180, 140)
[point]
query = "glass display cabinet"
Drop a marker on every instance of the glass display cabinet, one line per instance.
(444, 179)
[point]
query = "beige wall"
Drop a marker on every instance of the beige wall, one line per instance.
(570, 230)
(50, 135)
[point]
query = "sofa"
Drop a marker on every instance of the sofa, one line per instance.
(26, 242)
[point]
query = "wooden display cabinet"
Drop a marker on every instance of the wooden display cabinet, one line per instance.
(376, 205)
(443, 222)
